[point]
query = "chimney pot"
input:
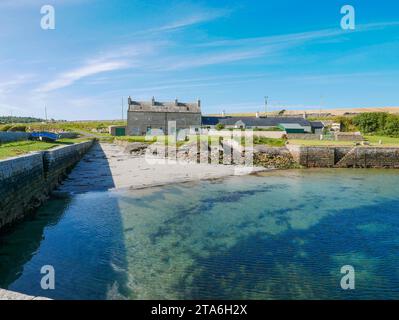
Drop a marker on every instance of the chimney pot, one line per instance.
(153, 101)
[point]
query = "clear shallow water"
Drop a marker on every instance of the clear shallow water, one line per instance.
(284, 235)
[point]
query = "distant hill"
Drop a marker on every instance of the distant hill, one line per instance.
(322, 112)
(6, 120)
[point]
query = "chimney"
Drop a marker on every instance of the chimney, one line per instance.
(153, 101)
(223, 114)
(199, 103)
(176, 102)
(257, 114)
(304, 115)
(129, 101)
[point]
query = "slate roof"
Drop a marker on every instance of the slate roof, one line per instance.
(317, 124)
(158, 106)
(264, 122)
(211, 121)
(291, 125)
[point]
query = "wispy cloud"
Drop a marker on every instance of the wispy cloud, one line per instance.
(299, 37)
(117, 59)
(201, 16)
(68, 78)
(207, 59)
(12, 83)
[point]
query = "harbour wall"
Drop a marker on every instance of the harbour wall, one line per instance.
(345, 157)
(26, 181)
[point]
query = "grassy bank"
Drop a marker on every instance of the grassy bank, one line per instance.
(13, 149)
(372, 140)
(385, 141)
(318, 143)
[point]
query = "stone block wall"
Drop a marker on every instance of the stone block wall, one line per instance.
(370, 157)
(344, 136)
(345, 157)
(26, 181)
(138, 122)
(21, 186)
(304, 136)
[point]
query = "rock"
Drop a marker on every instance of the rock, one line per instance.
(271, 157)
(136, 147)
(157, 149)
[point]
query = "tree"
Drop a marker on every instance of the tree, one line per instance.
(391, 127)
(371, 122)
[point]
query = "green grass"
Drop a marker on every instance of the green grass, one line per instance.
(385, 141)
(166, 139)
(373, 141)
(13, 149)
(271, 142)
(136, 139)
(86, 126)
(317, 143)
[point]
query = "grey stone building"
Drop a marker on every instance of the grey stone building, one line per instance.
(145, 115)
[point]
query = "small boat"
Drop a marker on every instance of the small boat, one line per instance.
(44, 136)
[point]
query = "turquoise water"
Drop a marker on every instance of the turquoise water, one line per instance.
(282, 235)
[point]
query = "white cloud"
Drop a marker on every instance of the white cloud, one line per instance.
(70, 77)
(12, 83)
(300, 37)
(116, 59)
(190, 20)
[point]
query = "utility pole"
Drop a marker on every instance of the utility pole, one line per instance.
(266, 98)
(122, 108)
(321, 104)
(45, 112)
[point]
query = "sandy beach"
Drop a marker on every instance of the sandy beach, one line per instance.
(107, 166)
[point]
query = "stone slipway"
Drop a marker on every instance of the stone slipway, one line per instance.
(11, 295)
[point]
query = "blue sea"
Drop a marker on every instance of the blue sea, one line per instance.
(275, 235)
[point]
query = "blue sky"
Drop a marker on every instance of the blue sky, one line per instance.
(228, 53)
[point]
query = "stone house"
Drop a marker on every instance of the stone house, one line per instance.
(143, 116)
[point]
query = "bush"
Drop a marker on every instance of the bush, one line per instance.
(378, 123)
(219, 126)
(346, 123)
(391, 127)
(18, 128)
(6, 127)
(371, 122)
